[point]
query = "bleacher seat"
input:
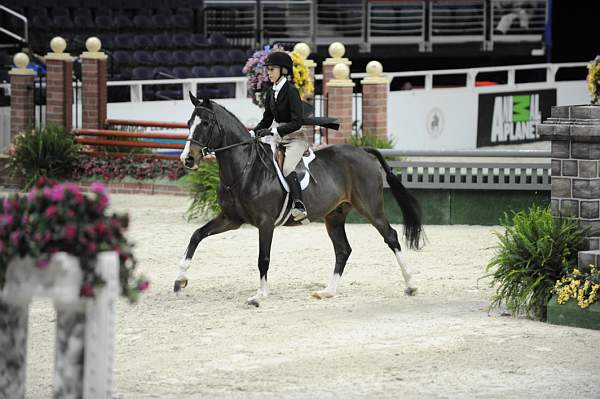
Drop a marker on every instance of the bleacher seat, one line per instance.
(142, 73)
(218, 40)
(121, 22)
(124, 41)
(163, 58)
(200, 72)
(161, 21)
(143, 58)
(237, 56)
(162, 72)
(83, 22)
(219, 56)
(181, 21)
(181, 40)
(162, 40)
(200, 57)
(198, 40)
(182, 72)
(236, 70)
(183, 57)
(122, 58)
(143, 22)
(219, 71)
(143, 42)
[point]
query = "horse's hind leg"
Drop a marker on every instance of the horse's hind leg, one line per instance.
(218, 225)
(335, 222)
(374, 214)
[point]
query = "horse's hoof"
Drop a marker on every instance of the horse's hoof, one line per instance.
(322, 294)
(252, 302)
(179, 285)
(410, 291)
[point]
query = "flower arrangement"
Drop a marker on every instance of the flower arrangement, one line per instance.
(120, 168)
(580, 286)
(258, 79)
(593, 79)
(302, 76)
(55, 217)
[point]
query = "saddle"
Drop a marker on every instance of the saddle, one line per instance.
(280, 155)
(302, 169)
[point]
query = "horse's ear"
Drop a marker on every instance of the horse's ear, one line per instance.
(194, 99)
(206, 103)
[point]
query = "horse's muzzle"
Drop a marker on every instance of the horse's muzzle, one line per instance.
(189, 162)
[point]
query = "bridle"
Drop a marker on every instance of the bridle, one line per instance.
(210, 117)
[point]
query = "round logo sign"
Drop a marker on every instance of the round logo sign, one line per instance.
(435, 122)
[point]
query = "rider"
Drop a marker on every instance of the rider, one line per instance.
(283, 104)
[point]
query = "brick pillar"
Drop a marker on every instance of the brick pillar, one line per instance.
(374, 102)
(336, 51)
(575, 134)
(340, 104)
(59, 97)
(93, 76)
(21, 96)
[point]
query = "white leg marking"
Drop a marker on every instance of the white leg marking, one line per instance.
(331, 288)
(410, 288)
(184, 265)
(261, 293)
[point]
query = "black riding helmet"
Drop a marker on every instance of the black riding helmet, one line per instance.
(281, 59)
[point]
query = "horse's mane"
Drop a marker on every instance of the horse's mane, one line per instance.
(228, 119)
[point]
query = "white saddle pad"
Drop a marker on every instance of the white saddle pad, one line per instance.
(304, 180)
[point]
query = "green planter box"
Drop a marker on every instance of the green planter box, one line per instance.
(570, 314)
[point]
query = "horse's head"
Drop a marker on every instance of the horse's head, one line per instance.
(205, 133)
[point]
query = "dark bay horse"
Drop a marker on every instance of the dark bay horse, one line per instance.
(343, 177)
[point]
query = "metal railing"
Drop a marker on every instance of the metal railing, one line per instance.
(367, 22)
(24, 37)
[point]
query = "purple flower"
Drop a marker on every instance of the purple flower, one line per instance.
(102, 203)
(42, 263)
(7, 204)
(143, 285)
(5, 220)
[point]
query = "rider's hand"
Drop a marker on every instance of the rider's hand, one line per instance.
(263, 132)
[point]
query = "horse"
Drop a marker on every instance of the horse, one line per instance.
(343, 177)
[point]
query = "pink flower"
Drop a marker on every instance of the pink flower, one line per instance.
(92, 247)
(57, 193)
(143, 285)
(31, 195)
(69, 214)
(87, 290)
(70, 231)
(47, 192)
(7, 204)
(101, 228)
(98, 188)
(51, 211)
(102, 203)
(42, 263)
(5, 220)
(71, 187)
(25, 219)
(15, 236)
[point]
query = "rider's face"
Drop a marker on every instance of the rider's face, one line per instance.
(274, 73)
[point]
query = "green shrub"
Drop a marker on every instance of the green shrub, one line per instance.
(366, 140)
(203, 184)
(534, 252)
(50, 152)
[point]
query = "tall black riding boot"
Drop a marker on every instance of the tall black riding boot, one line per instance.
(298, 208)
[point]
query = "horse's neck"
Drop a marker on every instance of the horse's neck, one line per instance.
(233, 161)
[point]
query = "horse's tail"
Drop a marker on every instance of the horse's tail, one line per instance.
(411, 211)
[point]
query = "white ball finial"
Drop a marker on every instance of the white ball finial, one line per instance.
(302, 49)
(93, 44)
(58, 45)
(21, 60)
(374, 69)
(341, 71)
(337, 50)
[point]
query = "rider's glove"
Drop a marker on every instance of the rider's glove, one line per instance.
(263, 132)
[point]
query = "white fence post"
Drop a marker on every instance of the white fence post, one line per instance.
(85, 328)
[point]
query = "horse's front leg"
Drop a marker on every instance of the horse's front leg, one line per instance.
(265, 237)
(218, 225)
